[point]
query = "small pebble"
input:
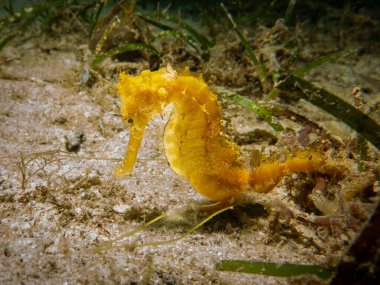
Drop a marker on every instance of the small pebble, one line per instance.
(121, 208)
(74, 141)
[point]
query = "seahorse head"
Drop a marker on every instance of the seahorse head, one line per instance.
(142, 97)
(145, 95)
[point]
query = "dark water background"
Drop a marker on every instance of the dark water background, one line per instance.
(303, 10)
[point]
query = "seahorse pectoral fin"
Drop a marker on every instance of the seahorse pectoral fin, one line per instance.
(136, 136)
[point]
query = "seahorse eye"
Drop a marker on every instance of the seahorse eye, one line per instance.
(130, 121)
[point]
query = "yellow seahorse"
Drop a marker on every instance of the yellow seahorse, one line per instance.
(194, 143)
